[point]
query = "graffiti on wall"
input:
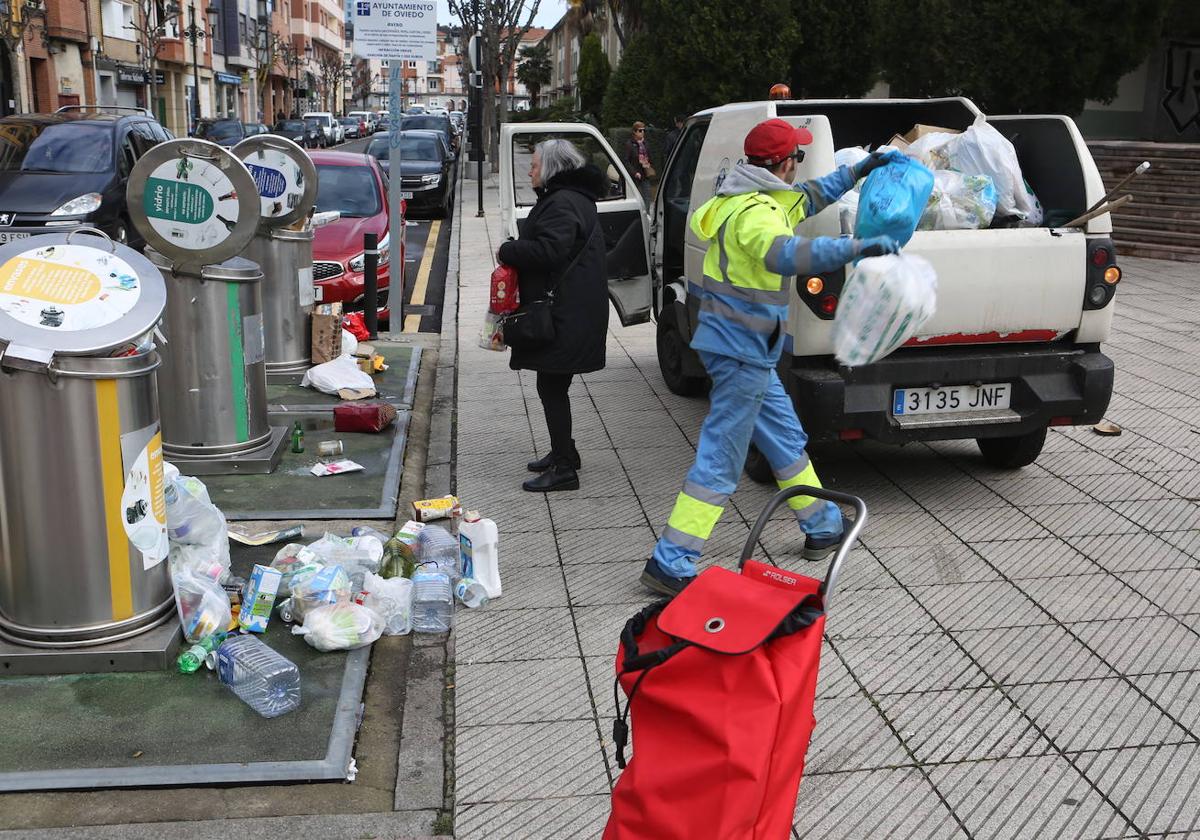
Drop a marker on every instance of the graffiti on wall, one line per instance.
(1182, 83)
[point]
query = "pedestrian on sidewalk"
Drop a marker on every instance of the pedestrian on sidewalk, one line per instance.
(752, 253)
(561, 249)
(637, 160)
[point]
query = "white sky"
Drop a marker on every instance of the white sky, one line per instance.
(548, 14)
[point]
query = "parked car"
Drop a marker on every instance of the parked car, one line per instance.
(355, 186)
(459, 120)
(426, 169)
(415, 109)
(330, 127)
(253, 129)
(367, 117)
(223, 132)
(353, 127)
(431, 122)
(384, 123)
(71, 168)
(306, 133)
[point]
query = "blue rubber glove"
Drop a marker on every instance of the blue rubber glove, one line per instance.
(875, 160)
(876, 246)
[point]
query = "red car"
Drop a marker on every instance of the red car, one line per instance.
(356, 187)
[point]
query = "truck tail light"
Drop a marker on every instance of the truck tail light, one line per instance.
(820, 292)
(829, 305)
(1102, 274)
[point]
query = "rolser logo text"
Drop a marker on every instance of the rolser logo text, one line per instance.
(782, 578)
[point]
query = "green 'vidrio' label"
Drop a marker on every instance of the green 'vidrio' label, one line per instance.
(177, 201)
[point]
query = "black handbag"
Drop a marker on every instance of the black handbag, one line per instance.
(532, 324)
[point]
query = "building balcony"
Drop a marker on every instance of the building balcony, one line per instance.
(173, 50)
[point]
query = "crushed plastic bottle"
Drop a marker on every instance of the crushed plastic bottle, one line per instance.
(471, 592)
(190, 660)
(433, 603)
(266, 681)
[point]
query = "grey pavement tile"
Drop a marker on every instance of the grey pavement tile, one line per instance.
(1157, 786)
(497, 438)
(617, 544)
(961, 725)
(528, 761)
(514, 635)
(526, 587)
(1034, 491)
(900, 530)
(1036, 797)
(851, 734)
(935, 564)
(1133, 552)
(1178, 694)
(646, 461)
(976, 606)
(1142, 418)
(1117, 488)
(1063, 440)
(1184, 483)
(1081, 520)
(997, 523)
(1153, 460)
(938, 494)
(876, 612)
(521, 692)
(1146, 645)
(1087, 597)
(1162, 514)
(1080, 463)
(1127, 440)
(665, 433)
(1176, 591)
(1186, 541)
(900, 664)
(563, 818)
(600, 627)
(874, 805)
(833, 678)
(571, 512)
(862, 571)
(526, 548)
(595, 584)
(1043, 653)
(1166, 400)
(1095, 714)
(1049, 557)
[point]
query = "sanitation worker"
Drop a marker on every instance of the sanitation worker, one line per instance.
(752, 253)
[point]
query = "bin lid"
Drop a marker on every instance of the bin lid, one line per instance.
(234, 269)
(193, 201)
(75, 294)
(285, 177)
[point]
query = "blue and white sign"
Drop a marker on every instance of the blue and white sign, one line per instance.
(405, 30)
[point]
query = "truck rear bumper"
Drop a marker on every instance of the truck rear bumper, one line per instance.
(1067, 386)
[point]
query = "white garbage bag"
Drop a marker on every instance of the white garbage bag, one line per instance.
(884, 303)
(959, 202)
(196, 529)
(849, 156)
(392, 599)
(848, 210)
(342, 373)
(982, 150)
(340, 627)
(202, 604)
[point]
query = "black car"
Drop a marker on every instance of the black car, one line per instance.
(426, 168)
(223, 132)
(70, 168)
(306, 133)
(431, 122)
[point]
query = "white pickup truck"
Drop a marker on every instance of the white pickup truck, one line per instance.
(1014, 347)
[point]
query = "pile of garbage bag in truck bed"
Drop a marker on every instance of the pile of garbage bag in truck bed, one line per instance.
(977, 180)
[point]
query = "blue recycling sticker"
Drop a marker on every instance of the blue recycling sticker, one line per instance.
(271, 183)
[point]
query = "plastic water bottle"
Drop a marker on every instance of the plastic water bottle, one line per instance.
(436, 548)
(190, 660)
(266, 681)
(433, 603)
(471, 592)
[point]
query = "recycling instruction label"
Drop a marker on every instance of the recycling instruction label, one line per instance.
(191, 203)
(68, 288)
(279, 180)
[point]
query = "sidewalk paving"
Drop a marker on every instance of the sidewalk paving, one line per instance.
(1011, 654)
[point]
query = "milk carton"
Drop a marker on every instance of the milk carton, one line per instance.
(260, 598)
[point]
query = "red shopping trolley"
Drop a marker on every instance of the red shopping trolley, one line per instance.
(720, 682)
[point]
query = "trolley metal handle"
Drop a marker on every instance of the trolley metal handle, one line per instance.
(851, 536)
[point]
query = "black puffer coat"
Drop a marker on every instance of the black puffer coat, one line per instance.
(551, 235)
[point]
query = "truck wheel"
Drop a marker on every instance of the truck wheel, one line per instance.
(670, 362)
(757, 467)
(1011, 453)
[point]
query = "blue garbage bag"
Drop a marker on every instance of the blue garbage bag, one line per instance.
(892, 200)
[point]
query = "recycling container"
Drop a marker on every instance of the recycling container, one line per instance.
(285, 256)
(83, 536)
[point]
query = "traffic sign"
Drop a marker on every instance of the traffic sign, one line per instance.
(404, 30)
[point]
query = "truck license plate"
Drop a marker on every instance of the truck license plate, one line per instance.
(12, 236)
(954, 398)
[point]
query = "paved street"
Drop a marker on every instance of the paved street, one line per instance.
(1012, 655)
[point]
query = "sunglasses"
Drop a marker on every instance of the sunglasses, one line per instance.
(639, 131)
(798, 156)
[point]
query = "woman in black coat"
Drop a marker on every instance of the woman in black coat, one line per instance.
(561, 247)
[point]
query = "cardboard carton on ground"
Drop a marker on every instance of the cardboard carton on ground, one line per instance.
(326, 333)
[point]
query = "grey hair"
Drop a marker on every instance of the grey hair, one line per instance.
(558, 155)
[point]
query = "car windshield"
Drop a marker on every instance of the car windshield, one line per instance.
(411, 148)
(290, 125)
(313, 122)
(351, 190)
(429, 122)
(64, 147)
(218, 131)
(349, 121)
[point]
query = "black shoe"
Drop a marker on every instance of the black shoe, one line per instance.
(660, 583)
(559, 477)
(818, 548)
(547, 461)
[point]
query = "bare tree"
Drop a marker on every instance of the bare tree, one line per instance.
(150, 24)
(268, 55)
(360, 81)
(16, 18)
(330, 70)
(498, 23)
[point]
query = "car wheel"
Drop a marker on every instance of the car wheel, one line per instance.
(670, 362)
(1012, 453)
(757, 467)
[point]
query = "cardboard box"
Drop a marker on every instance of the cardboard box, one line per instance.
(918, 131)
(326, 333)
(260, 599)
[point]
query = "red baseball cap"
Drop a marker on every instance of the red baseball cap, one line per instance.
(774, 140)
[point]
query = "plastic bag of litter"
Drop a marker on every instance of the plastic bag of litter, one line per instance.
(885, 301)
(392, 599)
(202, 604)
(849, 156)
(959, 202)
(196, 529)
(341, 374)
(340, 627)
(848, 210)
(891, 201)
(310, 590)
(294, 561)
(365, 551)
(982, 150)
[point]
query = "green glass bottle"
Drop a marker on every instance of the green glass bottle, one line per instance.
(297, 438)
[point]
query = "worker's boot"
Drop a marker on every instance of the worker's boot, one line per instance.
(818, 548)
(547, 461)
(660, 583)
(560, 476)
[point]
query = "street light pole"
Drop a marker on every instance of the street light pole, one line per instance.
(195, 64)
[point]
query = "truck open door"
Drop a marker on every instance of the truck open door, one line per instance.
(623, 218)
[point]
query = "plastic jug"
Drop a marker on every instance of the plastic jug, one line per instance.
(479, 549)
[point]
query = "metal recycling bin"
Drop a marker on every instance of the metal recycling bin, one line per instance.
(83, 532)
(214, 360)
(285, 256)
(286, 180)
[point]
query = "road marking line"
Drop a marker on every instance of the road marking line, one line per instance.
(412, 323)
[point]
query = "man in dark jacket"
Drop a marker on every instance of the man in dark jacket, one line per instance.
(561, 250)
(637, 160)
(673, 136)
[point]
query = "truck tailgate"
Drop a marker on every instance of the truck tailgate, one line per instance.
(1018, 284)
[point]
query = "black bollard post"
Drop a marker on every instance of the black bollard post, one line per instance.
(371, 283)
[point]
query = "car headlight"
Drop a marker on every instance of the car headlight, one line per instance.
(86, 203)
(360, 262)
(431, 180)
